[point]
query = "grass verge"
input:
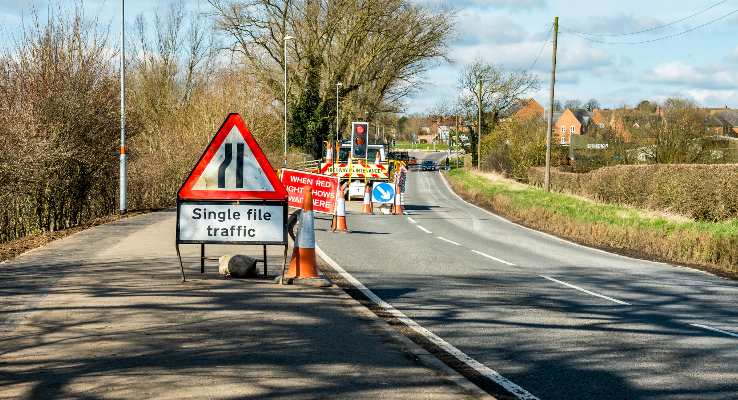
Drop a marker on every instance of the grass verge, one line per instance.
(704, 245)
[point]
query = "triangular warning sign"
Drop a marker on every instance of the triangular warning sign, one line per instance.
(233, 167)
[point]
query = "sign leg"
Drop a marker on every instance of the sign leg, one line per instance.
(202, 258)
(284, 265)
(181, 267)
(265, 260)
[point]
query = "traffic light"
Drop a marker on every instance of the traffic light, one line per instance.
(359, 132)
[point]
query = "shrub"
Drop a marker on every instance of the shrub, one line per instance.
(703, 192)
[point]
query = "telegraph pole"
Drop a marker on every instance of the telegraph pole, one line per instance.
(123, 172)
(479, 125)
(547, 178)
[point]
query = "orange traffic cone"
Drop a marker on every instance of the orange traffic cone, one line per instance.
(303, 265)
(397, 208)
(340, 217)
(367, 207)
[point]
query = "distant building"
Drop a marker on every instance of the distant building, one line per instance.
(571, 122)
(722, 121)
(528, 109)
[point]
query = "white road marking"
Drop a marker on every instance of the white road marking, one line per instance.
(423, 229)
(412, 220)
(448, 241)
(493, 258)
(480, 368)
(584, 290)
(709, 328)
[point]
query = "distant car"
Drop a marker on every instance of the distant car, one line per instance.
(412, 161)
(428, 165)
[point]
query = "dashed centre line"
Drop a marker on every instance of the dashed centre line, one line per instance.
(423, 229)
(602, 296)
(412, 220)
(709, 328)
(448, 241)
(493, 258)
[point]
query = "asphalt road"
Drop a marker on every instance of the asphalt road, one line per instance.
(560, 320)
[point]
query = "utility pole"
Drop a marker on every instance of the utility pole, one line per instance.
(547, 178)
(123, 172)
(479, 124)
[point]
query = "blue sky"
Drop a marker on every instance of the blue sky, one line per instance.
(701, 65)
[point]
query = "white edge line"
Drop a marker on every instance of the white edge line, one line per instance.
(423, 229)
(709, 328)
(602, 296)
(493, 258)
(412, 220)
(482, 369)
(548, 235)
(448, 241)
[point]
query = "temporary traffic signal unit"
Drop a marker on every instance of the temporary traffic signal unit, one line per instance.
(359, 139)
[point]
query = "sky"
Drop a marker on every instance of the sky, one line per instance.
(701, 65)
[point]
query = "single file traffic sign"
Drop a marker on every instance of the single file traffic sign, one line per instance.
(383, 193)
(232, 196)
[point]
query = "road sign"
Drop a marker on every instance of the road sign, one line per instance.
(383, 193)
(233, 167)
(243, 222)
(232, 196)
(359, 139)
(360, 169)
(324, 189)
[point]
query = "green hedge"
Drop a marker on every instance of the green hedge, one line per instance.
(699, 191)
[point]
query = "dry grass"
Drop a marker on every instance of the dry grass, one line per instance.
(706, 245)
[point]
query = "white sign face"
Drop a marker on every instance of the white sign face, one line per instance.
(234, 167)
(244, 223)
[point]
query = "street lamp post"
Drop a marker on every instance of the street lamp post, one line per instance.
(338, 85)
(123, 172)
(336, 145)
(286, 38)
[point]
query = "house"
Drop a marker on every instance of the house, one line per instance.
(723, 122)
(571, 122)
(601, 118)
(528, 109)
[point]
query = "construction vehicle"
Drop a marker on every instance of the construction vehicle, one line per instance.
(359, 172)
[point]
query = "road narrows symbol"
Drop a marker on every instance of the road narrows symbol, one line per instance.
(227, 152)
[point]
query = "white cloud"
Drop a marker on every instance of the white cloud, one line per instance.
(714, 98)
(715, 77)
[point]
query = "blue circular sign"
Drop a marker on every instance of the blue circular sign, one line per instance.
(383, 192)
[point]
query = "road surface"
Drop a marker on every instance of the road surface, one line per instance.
(559, 320)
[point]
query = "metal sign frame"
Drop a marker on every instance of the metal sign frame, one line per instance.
(202, 243)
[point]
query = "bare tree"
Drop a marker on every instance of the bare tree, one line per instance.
(376, 48)
(494, 91)
(572, 104)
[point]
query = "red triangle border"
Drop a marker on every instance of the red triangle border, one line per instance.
(185, 192)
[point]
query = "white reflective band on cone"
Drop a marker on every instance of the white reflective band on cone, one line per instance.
(341, 207)
(306, 236)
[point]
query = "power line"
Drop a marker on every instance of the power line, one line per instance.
(548, 38)
(671, 36)
(655, 28)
